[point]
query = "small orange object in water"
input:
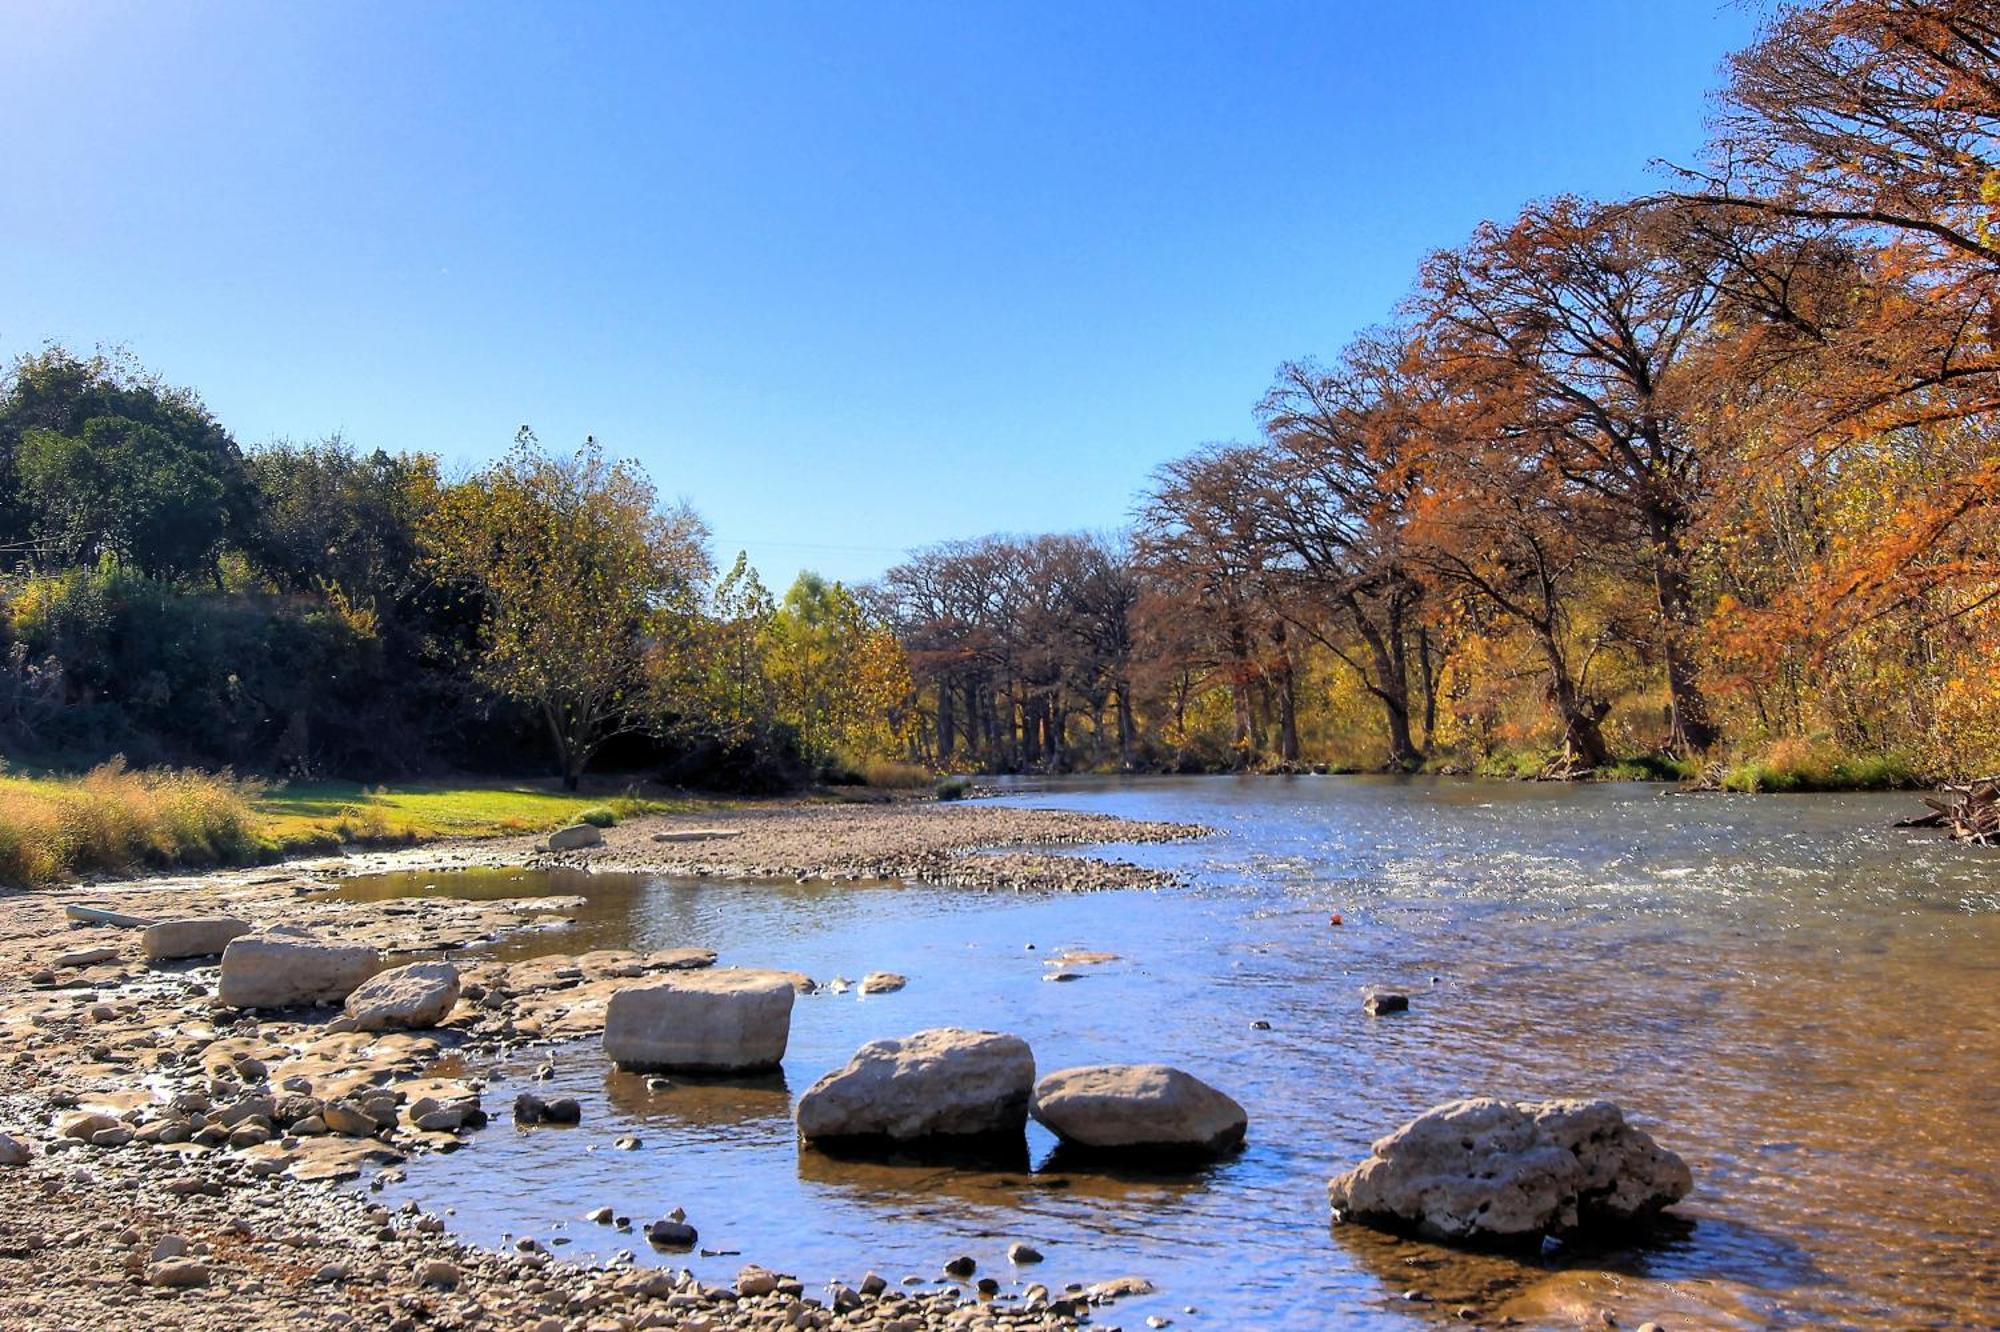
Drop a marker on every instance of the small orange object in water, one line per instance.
(1335, 919)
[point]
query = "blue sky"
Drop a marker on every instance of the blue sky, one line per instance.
(851, 278)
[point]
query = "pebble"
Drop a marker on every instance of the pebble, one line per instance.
(1023, 1253)
(961, 1267)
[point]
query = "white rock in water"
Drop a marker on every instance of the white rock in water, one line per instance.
(701, 1022)
(1138, 1107)
(882, 982)
(418, 995)
(192, 936)
(1495, 1170)
(945, 1082)
(285, 968)
(575, 837)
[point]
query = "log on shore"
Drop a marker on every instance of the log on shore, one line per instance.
(1974, 816)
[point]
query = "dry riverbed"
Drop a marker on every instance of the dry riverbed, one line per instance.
(165, 1161)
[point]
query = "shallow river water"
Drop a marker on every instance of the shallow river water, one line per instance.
(1802, 1001)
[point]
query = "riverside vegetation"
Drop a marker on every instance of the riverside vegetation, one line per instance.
(1626, 487)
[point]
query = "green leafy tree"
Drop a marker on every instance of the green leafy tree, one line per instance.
(578, 572)
(100, 460)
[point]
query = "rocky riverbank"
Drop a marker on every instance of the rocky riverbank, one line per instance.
(168, 1159)
(962, 845)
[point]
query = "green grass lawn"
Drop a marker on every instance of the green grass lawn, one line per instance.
(301, 815)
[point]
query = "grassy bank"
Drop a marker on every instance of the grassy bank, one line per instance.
(113, 818)
(116, 820)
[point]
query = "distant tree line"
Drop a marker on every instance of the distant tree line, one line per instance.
(1630, 477)
(1657, 480)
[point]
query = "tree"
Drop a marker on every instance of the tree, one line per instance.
(1335, 512)
(1586, 319)
(575, 566)
(99, 460)
(1865, 134)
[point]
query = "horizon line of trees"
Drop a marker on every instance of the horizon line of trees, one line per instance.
(1710, 469)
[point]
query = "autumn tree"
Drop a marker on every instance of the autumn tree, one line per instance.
(1865, 134)
(1334, 511)
(575, 567)
(1587, 319)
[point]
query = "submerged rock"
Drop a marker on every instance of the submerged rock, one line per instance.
(945, 1082)
(532, 1109)
(287, 968)
(1379, 1002)
(701, 1022)
(410, 997)
(1487, 1170)
(1138, 1108)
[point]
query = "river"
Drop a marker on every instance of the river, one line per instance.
(1796, 997)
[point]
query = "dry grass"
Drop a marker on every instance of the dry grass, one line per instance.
(113, 819)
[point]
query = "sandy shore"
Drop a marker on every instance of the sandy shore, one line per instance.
(206, 1194)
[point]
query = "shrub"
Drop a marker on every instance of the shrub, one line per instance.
(598, 816)
(1799, 764)
(953, 788)
(898, 776)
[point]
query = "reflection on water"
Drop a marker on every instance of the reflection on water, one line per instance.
(1796, 997)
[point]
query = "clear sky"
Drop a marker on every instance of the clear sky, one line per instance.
(850, 277)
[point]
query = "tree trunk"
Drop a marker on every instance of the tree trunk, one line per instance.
(1124, 727)
(1580, 717)
(1693, 732)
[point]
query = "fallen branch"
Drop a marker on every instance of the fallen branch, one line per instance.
(1973, 817)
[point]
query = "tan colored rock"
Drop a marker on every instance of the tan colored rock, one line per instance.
(1491, 1170)
(191, 936)
(85, 1124)
(701, 1022)
(882, 982)
(1138, 1108)
(945, 1082)
(287, 968)
(410, 997)
(575, 837)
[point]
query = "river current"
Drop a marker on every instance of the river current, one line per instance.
(1801, 1000)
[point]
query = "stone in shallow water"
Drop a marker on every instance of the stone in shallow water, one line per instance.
(1382, 1001)
(1486, 1170)
(945, 1082)
(1138, 1108)
(701, 1022)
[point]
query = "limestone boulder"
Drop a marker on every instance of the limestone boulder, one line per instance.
(942, 1083)
(284, 968)
(575, 838)
(726, 1021)
(191, 936)
(405, 998)
(1492, 1171)
(1138, 1108)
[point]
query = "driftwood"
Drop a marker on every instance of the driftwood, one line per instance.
(1973, 817)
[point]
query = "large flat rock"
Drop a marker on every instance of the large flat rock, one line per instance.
(725, 1021)
(942, 1083)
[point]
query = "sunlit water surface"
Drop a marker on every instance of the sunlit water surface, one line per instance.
(1798, 998)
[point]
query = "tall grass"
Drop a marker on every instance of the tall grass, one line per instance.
(115, 819)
